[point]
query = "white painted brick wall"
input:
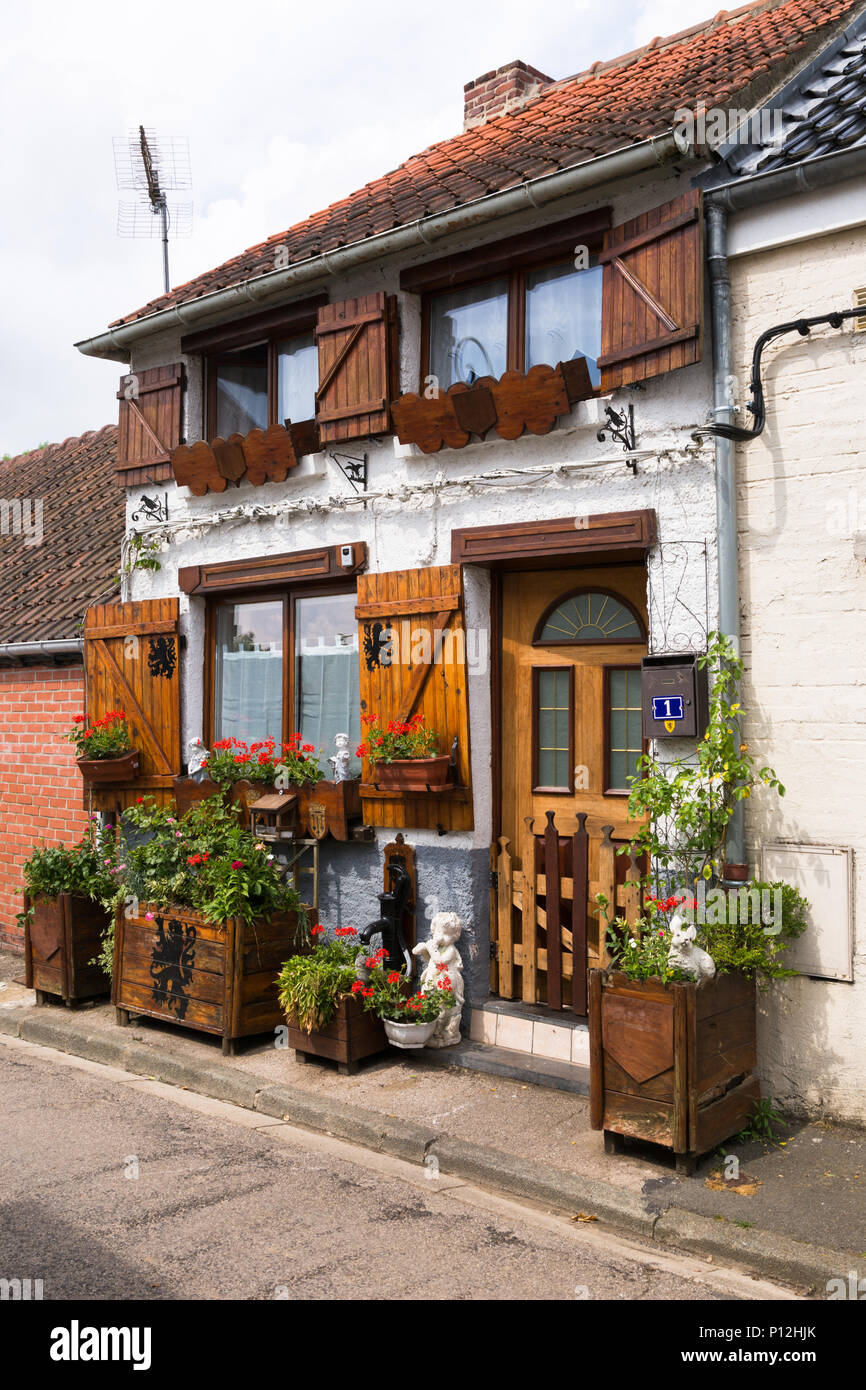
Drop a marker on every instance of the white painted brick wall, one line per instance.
(801, 497)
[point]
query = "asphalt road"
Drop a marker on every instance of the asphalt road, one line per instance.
(115, 1187)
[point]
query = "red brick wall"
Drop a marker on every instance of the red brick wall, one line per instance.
(504, 89)
(40, 786)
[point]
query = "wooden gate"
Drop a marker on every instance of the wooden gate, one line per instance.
(551, 885)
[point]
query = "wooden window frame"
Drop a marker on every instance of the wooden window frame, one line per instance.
(515, 302)
(543, 790)
(539, 641)
(296, 328)
(288, 596)
(607, 672)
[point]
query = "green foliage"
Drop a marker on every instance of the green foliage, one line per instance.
(748, 945)
(295, 764)
(141, 554)
(763, 1124)
(107, 737)
(641, 952)
(389, 996)
(311, 986)
(93, 867)
(385, 743)
(205, 861)
(689, 801)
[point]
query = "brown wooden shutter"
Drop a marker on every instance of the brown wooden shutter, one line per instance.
(356, 359)
(132, 662)
(411, 603)
(653, 293)
(149, 423)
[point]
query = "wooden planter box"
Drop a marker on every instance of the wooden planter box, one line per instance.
(182, 969)
(63, 938)
(413, 774)
(673, 1064)
(110, 770)
(328, 808)
(351, 1035)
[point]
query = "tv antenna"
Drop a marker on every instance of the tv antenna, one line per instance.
(153, 167)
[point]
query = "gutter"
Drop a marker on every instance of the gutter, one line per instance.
(745, 192)
(115, 343)
(48, 650)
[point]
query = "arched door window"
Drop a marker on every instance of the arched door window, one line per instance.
(589, 616)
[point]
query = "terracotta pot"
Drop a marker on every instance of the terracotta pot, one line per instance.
(122, 769)
(412, 774)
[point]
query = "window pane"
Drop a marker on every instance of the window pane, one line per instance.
(469, 333)
(327, 692)
(297, 378)
(554, 725)
(626, 738)
(242, 391)
(248, 673)
(590, 618)
(563, 316)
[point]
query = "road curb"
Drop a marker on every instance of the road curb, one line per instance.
(763, 1252)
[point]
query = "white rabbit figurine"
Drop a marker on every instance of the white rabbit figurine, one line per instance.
(690, 959)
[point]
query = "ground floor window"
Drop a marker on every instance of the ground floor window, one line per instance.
(284, 664)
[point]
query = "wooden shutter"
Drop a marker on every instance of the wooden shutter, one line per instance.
(653, 293)
(418, 607)
(132, 662)
(356, 358)
(149, 423)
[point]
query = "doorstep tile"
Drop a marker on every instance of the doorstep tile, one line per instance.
(482, 1027)
(553, 1042)
(580, 1046)
(514, 1033)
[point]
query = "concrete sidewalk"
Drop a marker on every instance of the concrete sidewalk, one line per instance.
(797, 1213)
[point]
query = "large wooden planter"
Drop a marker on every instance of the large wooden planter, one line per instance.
(673, 1063)
(351, 1035)
(182, 969)
(328, 808)
(61, 941)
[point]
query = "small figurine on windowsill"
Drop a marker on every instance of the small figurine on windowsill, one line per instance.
(341, 759)
(196, 759)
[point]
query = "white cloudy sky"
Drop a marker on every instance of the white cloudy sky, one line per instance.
(287, 107)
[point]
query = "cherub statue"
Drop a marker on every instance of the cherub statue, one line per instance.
(341, 759)
(443, 958)
(196, 757)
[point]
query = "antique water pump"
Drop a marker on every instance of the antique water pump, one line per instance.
(392, 904)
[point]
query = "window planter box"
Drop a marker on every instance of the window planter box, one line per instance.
(413, 774)
(182, 969)
(328, 808)
(60, 943)
(673, 1064)
(110, 770)
(351, 1035)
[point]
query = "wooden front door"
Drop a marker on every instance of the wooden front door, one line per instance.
(572, 642)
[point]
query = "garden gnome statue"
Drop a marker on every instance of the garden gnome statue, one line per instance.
(687, 957)
(341, 759)
(196, 758)
(443, 958)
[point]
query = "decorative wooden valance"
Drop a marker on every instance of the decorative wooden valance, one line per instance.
(610, 536)
(517, 401)
(266, 571)
(262, 456)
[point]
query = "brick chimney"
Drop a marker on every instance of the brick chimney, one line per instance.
(494, 93)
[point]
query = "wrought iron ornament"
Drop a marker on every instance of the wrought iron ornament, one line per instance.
(676, 625)
(162, 657)
(620, 427)
(353, 469)
(152, 508)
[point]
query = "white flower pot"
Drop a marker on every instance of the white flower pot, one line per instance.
(408, 1035)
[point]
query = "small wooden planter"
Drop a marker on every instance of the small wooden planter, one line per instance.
(328, 808)
(182, 969)
(351, 1035)
(110, 770)
(673, 1064)
(60, 942)
(413, 774)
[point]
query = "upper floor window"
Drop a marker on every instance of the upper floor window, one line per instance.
(264, 384)
(548, 314)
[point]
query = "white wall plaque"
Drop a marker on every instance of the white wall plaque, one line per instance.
(823, 874)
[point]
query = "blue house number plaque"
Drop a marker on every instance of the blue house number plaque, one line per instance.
(668, 707)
